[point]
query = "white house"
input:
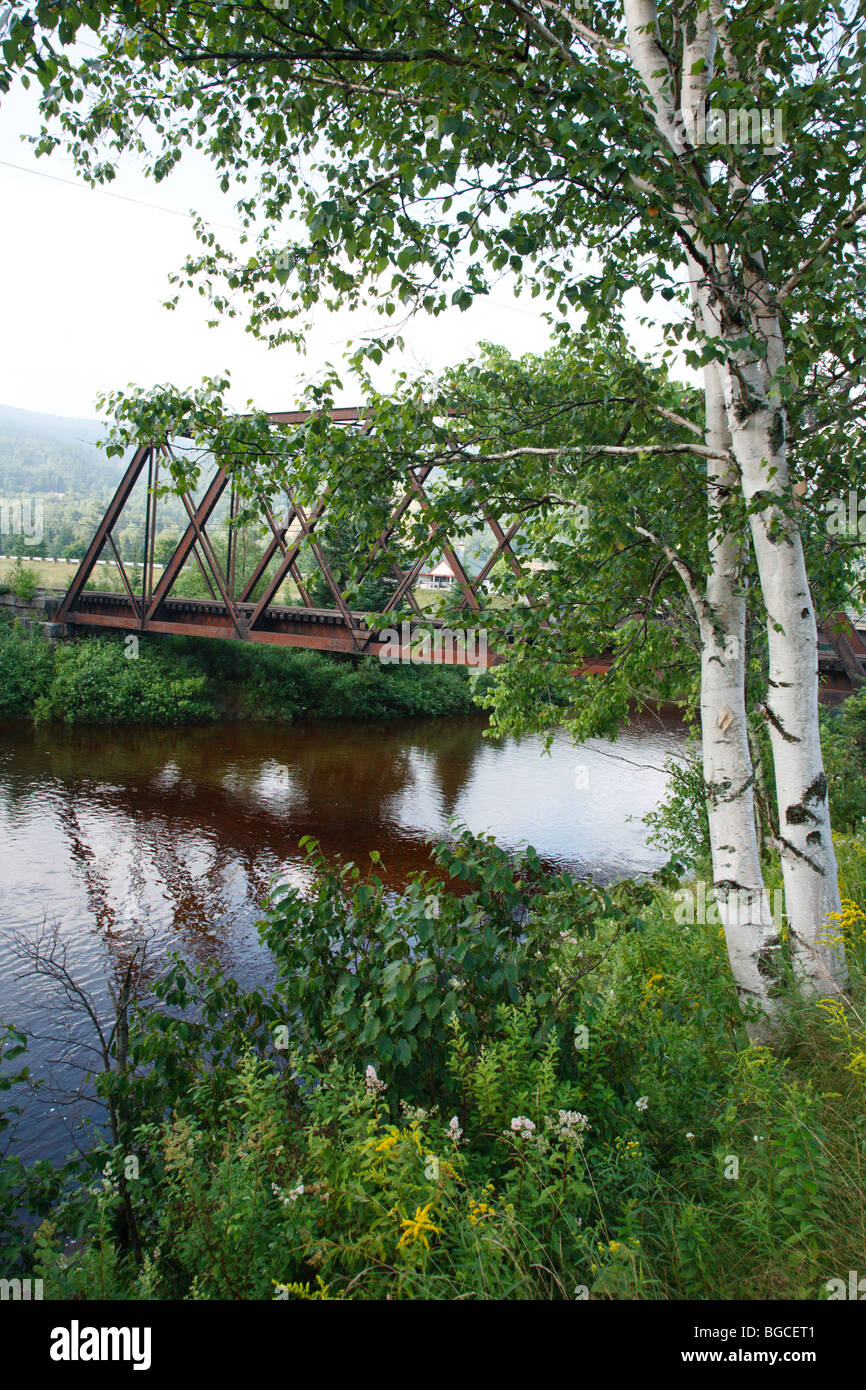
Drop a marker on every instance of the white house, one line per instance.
(441, 576)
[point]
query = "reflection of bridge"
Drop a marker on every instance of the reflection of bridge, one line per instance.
(245, 608)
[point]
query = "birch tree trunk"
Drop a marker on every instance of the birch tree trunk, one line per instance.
(751, 935)
(756, 422)
(805, 840)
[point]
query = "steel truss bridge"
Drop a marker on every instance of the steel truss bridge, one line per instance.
(247, 611)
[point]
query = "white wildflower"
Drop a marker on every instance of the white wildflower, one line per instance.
(573, 1119)
(642, 1103)
(415, 1114)
(521, 1125)
(371, 1080)
(573, 1125)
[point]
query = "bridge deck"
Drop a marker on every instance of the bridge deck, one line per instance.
(325, 630)
(318, 629)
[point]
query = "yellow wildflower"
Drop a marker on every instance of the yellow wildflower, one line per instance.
(855, 1042)
(846, 928)
(320, 1294)
(478, 1210)
(417, 1226)
(385, 1145)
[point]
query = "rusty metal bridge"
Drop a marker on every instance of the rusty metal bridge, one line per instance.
(248, 610)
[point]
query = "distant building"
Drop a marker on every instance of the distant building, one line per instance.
(441, 576)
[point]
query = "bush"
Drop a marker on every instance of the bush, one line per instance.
(843, 739)
(26, 668)
(286, 685)
(510, 1085)
(192, 680)
(374, 982)
(681, 825)
(95, 682)
(24, 582)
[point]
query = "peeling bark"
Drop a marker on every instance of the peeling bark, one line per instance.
(750, 933)
(725, 305)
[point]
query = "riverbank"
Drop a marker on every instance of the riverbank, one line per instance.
(456, 1109)
(413, 1100)
(168, 681)
(176, 833)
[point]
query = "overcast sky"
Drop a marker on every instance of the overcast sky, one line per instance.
(85, 275)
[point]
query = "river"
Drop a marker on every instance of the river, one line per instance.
(110, 833)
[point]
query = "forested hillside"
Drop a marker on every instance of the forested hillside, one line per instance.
(50, 453)
(55, 460)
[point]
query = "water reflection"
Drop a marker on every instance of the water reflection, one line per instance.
(177, 834)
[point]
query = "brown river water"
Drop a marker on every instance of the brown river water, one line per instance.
(110, 833)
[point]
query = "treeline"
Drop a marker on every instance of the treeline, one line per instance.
(61, 526)
(167, 681)
(35, 463)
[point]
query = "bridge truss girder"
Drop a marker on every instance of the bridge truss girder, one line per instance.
(239, 615)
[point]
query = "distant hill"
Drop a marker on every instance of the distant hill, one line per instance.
(53, 453)
(68, 429)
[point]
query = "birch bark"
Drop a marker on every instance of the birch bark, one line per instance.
(751, 934)
(755, 419)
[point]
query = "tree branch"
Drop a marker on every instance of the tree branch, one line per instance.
(793, 281)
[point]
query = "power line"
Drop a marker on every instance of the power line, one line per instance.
(173, 212)
(105, 193)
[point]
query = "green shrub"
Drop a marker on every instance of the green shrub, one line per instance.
(191, 680)
(101, 681)
(26, 668)
(375, 982)
(24, 581)
(843, 739)
(505, 1085)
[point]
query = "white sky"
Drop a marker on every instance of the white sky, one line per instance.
(85, 275)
